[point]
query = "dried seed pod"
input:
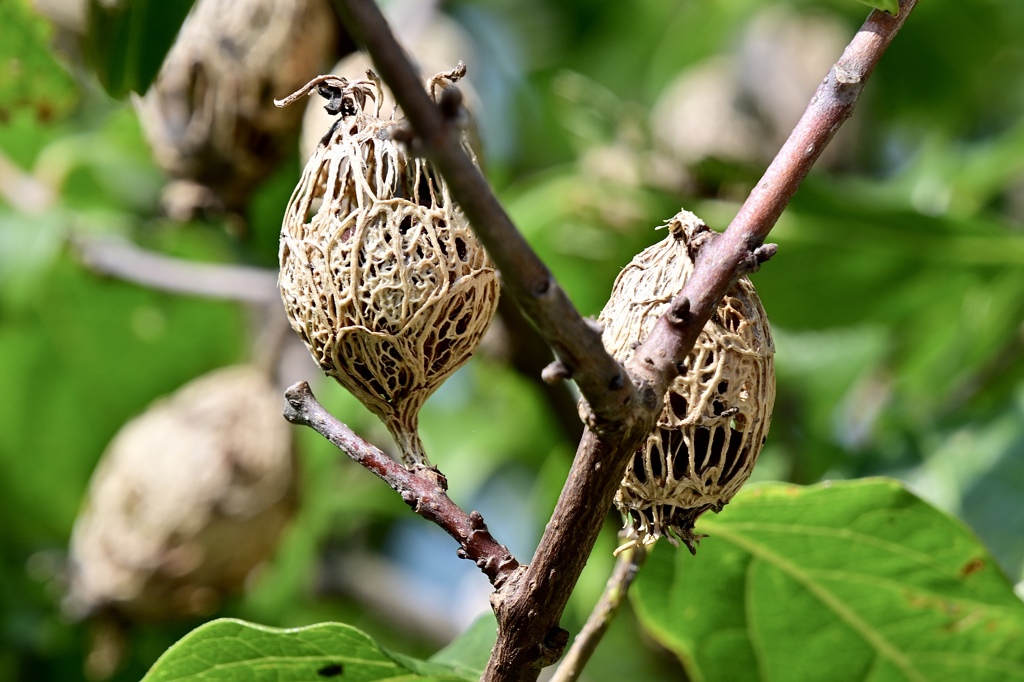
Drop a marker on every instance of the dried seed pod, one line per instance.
(741, 107)
(717, 411)
(188, 498)
(380, 273)
(210, 118)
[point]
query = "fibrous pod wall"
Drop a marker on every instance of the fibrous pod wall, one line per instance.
(380, 273)
(717, 411)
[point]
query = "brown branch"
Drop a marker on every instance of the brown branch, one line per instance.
(529, 355)
(529, 608)
(578, 344)
(740, 248)
(420, 490)
(122, 259)
(588, 494)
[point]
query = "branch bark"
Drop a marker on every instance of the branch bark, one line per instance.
(529, 354)
(578, 344)
(529, 607)
(615, 590)
(419, 489)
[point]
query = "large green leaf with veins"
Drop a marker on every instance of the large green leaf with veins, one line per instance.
(858, 580)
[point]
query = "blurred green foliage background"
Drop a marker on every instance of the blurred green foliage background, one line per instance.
(897, 295)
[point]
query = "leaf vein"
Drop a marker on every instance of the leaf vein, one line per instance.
(882, 645)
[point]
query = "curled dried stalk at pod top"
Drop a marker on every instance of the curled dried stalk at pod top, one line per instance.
(381, 274)
(716, 413)
(432, 40)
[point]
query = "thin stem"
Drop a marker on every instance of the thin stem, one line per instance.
(122, 259)
(627, 566)
(418, 488)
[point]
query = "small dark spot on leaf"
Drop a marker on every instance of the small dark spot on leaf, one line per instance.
(972, 567)
(332, 670)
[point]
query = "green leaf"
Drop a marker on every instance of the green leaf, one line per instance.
(858, 580)
(30, 77)
(128, 40)
(228, 649)
(470, 651)
(890, 6)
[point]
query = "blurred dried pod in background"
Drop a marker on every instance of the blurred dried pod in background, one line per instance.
(717, 411)
(66, 15)
(699, 115)
(187, 500)
(210, 117)
(381, 275)
(741, 107)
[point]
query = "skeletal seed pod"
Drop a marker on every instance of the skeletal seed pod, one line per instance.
(381, 274)
(717, 411)
(209, 116)
(187, 500)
